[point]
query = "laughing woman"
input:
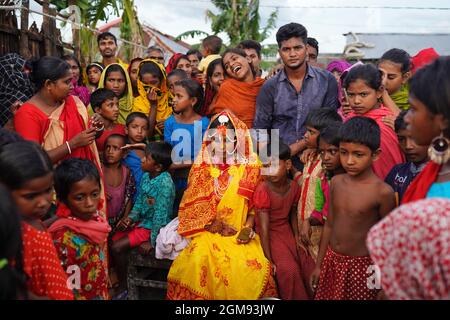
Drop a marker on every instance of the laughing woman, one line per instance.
(239, 91)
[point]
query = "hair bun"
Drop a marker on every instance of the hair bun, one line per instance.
(33, 64)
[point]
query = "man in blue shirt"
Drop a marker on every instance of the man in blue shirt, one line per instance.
(286, 99)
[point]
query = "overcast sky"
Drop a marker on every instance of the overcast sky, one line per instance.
(326, 25)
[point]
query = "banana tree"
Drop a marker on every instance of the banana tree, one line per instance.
(131, 30)
(91, 12)
(239, 19)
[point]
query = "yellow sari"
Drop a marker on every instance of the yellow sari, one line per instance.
(141, 103)
(213, 266)
(126, 101)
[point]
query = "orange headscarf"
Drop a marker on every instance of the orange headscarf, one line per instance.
(199, 204)
(238, 97)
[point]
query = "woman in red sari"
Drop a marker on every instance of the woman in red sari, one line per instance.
(54, 119)
(239, 91)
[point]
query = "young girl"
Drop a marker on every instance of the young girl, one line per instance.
(12, 277)
(152, 81)
(28, 173)
(275, 202)
(120, 185)
(152, 210)
(80, 233)
(133, 73)
(214, 78)
(94, 72)
(79, 89)
(188, 97)
(184, 64)
(115, 77)
(242, 87)
(329, 154)
(363, 85)
(137, 130)
(395, 67)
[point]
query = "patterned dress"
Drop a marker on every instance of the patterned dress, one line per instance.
(46, 277)
(77, 253)
(153, 206)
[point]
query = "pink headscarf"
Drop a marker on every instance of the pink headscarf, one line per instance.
(411, 246)
(338, 65)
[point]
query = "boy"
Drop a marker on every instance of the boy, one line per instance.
(106, 104)
(119, 181)
(331, 165)
(211, 46)
(316, 121)
(395, 67)
(402, 174)
(359, 199)
(151, 211)
(252, 49)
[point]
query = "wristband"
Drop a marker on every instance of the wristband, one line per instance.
(68, 147)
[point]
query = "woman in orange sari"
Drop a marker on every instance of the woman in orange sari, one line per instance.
(54, 119)
(239, 91)
(224, 259)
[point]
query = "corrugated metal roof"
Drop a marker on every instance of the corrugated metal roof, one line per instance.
(373, 45)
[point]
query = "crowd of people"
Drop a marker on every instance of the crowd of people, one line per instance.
(300, 183)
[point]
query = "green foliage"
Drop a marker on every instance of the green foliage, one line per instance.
(191, 34)
(93, 11)
(239, 19)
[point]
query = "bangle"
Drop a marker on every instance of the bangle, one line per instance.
(68, 147)
(100, 129)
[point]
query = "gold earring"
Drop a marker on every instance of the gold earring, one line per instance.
(439, 151)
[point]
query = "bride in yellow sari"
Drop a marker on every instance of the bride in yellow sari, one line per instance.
(224, 260)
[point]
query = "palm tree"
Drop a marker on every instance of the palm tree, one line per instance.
(240, 19)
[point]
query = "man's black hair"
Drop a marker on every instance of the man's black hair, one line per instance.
(361, 130)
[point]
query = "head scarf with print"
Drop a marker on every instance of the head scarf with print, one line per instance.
(200, 204)
(411, 247)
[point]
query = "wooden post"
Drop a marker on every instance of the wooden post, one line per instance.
(75, 35)
(45, 30)
(24, 14)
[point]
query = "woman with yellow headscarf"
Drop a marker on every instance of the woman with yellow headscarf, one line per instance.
(224, 260)
(152, 76)
(115, 78)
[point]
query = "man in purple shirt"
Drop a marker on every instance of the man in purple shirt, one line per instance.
(286, 99)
